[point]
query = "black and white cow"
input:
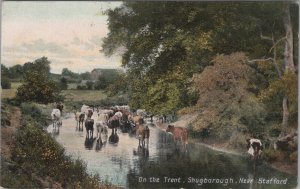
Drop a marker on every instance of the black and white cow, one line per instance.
(254, 147)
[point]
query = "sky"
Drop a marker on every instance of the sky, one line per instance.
(68, 33)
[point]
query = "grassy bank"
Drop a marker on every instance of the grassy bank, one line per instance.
(38, 161)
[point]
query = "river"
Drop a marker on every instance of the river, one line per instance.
(164, 165)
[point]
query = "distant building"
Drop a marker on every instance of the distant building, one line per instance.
(95, 73)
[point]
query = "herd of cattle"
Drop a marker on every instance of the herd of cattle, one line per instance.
(132, 122)
(116, 117)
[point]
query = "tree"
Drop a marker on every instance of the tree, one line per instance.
(42, 65)
(63, 85)
(68, 73)
(5, 82)
(37, 85)
(89, 85)
(16, 71)
(85, 76)
(101, 84)
(226, 104)
(283, 80)
(161, 38)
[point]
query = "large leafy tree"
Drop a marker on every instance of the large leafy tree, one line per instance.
(226, 103)
(164, 43)
(37, 85)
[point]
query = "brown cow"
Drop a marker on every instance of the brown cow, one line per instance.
(179, 133)
(142, 132)
(136, 119)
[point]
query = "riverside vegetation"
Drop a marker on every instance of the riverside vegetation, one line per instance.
(36, 160)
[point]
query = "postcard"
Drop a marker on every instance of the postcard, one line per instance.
(149, 94)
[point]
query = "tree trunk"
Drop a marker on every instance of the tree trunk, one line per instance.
(288, 58)
(288, 51)
(285, 112)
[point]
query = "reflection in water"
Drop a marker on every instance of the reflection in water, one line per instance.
(55, 131)
(123, 164)
(142, 152)
(113, 138)
(89, 143)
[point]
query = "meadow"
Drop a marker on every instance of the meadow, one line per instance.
(83, 95)
(10, 93)
(70, 94)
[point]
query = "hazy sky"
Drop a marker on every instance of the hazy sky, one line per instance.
(68, 33)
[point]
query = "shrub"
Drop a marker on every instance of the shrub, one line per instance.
(5, 83)
(38, 88)
(293, 157)
(5, 116)
(274, 155)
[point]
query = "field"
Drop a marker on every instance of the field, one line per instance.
(71, 95)
(83, 95)
(10, 93)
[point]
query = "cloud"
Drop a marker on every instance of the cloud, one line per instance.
(41, 46)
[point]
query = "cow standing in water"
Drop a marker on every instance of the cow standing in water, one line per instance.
(255, 148)
(143, 133)
(178, 133)
(60, 107)
(89, 126)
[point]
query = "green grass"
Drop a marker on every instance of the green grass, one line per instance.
(71, 95)
(10, 93)
(15, 85)
(83, 95)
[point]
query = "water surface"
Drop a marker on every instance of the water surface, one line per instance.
(164, 165)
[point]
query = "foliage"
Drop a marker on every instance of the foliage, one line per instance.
(5, 82)
(89, 85)
(5, 115)
(273, 155)
(42, 65)
(225, 103)
(161, 38)
(34, 115)
(81, 87)
(278, 88)
(101, 84)
(63, 84)
(68, 73)
(38, 87)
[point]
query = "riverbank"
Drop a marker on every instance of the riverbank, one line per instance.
(33, 159)
(225, 147)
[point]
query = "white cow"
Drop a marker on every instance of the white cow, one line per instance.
(86, 110)
(254, 147)
(56, 118)
(101, 125)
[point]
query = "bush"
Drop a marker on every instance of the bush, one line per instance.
(293, 157)
(31, 113)
(274, 155)
(39, 88)
(5, 83)
(81, 87)
(5, 116)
